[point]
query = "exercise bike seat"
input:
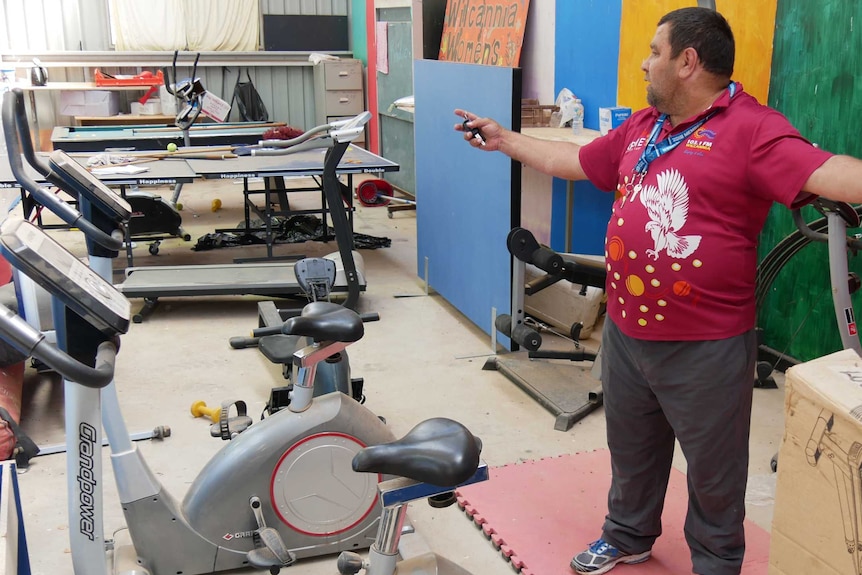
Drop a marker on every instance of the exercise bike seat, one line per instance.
(326, 321)
(438, 451)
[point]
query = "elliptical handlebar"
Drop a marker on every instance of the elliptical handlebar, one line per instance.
(14, 124)
(31, 342)
(323, 136)
(23, 127)
(171, 78)
(359, 120)
(190, 92)
(297, 140)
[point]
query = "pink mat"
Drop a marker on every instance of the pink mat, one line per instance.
(540, 513)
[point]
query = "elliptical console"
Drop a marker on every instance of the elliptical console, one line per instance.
(72, 174)
(81, 289)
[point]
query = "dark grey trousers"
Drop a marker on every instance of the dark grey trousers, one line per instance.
(700, 393)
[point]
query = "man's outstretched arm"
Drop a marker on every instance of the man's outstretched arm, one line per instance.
(555, 158)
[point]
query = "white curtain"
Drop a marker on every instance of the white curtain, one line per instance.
(197, 25)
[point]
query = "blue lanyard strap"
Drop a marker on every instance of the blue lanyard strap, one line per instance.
(653, 150)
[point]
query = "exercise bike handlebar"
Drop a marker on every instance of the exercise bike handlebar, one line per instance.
(844, 211)
(32, 343)
(72, 217)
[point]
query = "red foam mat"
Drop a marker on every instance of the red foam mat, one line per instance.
(541, 513)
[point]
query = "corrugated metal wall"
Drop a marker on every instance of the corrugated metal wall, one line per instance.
(83, 25)
(54, 25)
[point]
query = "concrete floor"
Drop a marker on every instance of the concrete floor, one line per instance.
(422, 359)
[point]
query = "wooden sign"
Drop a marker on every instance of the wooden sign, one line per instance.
(489, 32)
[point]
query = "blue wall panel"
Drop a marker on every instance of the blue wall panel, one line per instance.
(587, 53)
(466, 197)
(590, 214)
(586, 62)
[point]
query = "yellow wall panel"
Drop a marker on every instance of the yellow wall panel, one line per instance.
(753, 25)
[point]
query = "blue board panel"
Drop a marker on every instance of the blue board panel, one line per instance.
(587, 53)
(468, 199)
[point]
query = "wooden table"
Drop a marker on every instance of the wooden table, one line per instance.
(125, 120)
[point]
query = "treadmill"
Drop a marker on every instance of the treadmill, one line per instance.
(267, 279)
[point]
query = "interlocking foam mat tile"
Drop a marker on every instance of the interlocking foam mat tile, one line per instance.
(540, 513)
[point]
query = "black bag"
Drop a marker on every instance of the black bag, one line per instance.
(248, 101)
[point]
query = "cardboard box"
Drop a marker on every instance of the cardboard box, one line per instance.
(817, 525)
(610, 118)
(152, 107)
(561, 304)
(168, 100)
(89, 103)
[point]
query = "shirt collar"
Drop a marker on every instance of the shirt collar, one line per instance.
(722, 102)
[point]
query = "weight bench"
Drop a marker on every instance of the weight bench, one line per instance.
(569, 394)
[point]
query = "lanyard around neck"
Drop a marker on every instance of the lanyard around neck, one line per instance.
(654, 149)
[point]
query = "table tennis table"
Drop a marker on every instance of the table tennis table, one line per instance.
(274, 169)
(247, 277)
(157, 173)
(142, 138)
(152, 283)
(147, 137)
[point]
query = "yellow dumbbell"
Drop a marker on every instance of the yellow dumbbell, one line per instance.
(199, 409)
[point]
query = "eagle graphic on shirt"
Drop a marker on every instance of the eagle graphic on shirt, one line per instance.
(667, 207)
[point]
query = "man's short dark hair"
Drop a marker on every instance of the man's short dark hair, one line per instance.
(707, 32)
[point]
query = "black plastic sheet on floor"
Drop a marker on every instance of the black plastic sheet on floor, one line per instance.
(293, 230)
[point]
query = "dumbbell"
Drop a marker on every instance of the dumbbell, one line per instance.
(224, 426)
(200, 409)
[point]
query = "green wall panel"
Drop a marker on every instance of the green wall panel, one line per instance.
(359, 36)
(396, 126)
(816, 82)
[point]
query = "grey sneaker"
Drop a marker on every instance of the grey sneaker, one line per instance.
(601, 557)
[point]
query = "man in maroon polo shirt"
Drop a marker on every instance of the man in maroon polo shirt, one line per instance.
(695, 174)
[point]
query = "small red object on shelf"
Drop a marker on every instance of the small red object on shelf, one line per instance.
(143, 79)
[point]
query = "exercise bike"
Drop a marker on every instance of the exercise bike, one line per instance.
(839, 216)
(221, 524)
(830, 229)
(437, 452)
(230, 501)
(262, 501)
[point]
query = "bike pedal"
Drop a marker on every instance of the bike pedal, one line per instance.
(274, 553)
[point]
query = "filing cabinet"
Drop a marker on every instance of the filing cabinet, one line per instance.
(339, 93)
